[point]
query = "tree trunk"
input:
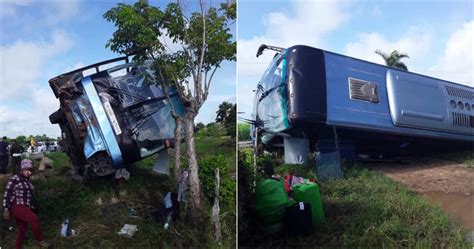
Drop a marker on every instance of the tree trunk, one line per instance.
(177, 149)
(216, 210)
(194, 183)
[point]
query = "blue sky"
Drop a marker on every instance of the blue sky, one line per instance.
(42, 39)
(437, 35)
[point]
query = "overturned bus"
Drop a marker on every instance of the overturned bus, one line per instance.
(337, 107)
(113, 115)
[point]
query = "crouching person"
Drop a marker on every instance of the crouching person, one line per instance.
(18, 201)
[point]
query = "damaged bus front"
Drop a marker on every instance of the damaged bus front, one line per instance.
(334, 106)
(110, 118)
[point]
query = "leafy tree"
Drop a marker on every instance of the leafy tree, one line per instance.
(215, 130)
(223, 112)
(210, 124)
(205, 39)
(200, 126)
(21, 139)
(393, 60)
(226, 115)
(230, 121)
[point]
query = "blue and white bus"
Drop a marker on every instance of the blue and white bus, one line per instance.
(311, 100)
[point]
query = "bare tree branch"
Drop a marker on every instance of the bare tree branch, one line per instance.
(207, 84)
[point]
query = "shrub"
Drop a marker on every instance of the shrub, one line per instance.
(213, 130)
(244, 131)
(207, 168)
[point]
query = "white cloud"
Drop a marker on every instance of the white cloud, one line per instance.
(63, 11)
(416, 42)
(22, 62)
(34, 121)
(8, 9)
(456, 63)
(307, 26)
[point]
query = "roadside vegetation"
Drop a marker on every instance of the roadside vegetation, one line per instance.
(365, 209)
(97, 211)
(244, 131)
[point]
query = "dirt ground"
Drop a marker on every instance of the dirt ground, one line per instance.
(424, 175)
(444, 181)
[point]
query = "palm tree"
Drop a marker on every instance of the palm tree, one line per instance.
(393, 60)
(223, 112)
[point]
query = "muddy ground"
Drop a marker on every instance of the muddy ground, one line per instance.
(424, 175)
(445, 181)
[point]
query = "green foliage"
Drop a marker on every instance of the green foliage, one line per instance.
(212, 130)
(218, 145)
(60, 160)
(367, 210)
(244, 131)
(393, 60)
(246, 201)
(230, 121)
(200, 126)
(227, 115)
(207, 167)
(205, 38)
(223, 112)
(60, 197)
(141, 26)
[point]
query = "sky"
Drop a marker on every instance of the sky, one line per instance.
(42, 39)
(437, 35)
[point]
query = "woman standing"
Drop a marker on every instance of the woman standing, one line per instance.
(18, 199)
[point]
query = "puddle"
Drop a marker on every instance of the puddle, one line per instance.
(458, 206)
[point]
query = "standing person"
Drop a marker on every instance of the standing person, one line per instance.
(18, 199)
(15, 152)
(3, 155)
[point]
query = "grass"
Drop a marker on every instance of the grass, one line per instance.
(99, 210)
(369, 210)
(465, 158)
(224, 145)
(61, 161)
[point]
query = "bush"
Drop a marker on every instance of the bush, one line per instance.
(207, 167)
(244, 131)
(212, 130)
(246, 178)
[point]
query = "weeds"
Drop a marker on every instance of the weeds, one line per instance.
(98, 211)
(367, 210)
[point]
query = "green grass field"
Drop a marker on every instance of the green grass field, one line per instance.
(367, 210)
(97, 211)
(224, 145)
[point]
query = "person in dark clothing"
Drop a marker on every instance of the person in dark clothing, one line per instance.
(15, 152)
(3, 155)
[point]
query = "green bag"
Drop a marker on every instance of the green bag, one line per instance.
(309, 193)
(270, 203)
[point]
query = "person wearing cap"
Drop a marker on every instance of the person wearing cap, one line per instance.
(18, 200)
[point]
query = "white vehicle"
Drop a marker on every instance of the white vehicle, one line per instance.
(40, 147)
(53, 146)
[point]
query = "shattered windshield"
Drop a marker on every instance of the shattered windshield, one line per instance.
(146, 109)
(272, 76)
(270, 97)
